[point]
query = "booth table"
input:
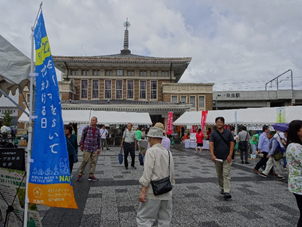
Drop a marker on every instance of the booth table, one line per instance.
(192, 144)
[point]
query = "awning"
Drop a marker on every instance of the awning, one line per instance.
(14, 68)
(248, 117)
(194, 118)
(104, 117)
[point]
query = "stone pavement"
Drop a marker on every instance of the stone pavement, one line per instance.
(113, 200)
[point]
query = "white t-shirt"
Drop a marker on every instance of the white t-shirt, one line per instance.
(103, 133)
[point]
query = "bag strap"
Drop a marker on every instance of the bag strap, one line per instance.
(246, 136)
(71, 145)
(222, 138)
(169, 162)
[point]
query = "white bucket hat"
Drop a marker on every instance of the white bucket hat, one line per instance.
(155, 133)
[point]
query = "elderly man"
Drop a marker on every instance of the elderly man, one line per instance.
(90, 145)
(273, 146)
(129, 144)
(153, 207)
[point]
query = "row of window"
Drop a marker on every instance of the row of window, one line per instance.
(192, 100)
(119, 89)
(118, 72)
(8, 111)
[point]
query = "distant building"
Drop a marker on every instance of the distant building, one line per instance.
(255, 99)
(128, 82)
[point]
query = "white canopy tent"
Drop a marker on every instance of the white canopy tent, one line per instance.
(248, 117)
(104, 117)
(14, 68)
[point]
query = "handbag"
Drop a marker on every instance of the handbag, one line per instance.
(243, 144)
(162, 186)
(278, 154)
(120, 156)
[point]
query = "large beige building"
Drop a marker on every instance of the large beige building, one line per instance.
(132, 83)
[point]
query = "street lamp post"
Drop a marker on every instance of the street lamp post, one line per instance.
(216, 101)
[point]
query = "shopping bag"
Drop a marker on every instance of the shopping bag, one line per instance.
(120, 156)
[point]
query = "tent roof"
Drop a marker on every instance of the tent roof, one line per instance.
(104, 117)
(14, 68)
(250, 116)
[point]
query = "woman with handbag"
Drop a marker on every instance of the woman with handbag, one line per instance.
(72, 146)
(294, 160)
(157, 181)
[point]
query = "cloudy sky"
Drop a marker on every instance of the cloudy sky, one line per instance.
(238, 45)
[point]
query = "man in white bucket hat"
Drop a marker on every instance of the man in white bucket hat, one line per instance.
(158, 165)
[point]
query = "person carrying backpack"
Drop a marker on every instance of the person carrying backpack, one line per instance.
(274, 148)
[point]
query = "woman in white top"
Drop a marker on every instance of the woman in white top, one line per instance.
(294, 160)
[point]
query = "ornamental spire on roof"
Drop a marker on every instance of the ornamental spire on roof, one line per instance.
(126, 38)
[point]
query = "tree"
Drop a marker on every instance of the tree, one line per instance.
(7, 118)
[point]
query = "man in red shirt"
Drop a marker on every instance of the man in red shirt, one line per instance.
(199, 140)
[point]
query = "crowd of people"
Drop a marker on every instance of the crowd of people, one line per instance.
(274, 148)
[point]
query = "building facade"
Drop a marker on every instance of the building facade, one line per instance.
(130, 82)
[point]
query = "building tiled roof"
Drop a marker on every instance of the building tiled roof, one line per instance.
(121, 102)
(130, 58)
(126, 105)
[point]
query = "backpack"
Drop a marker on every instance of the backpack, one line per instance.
(278, 153)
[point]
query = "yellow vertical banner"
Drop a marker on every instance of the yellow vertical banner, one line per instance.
(280, 115)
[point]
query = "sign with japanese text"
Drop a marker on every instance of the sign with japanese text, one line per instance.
(49, 179)
(169, 130)
(12, 158)
(280, 115)
(12, 188)
(204, 115)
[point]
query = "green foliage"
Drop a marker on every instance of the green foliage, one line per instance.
(7, 118)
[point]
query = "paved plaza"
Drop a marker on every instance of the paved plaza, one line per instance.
(113, 200)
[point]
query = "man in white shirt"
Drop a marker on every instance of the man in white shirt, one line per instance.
(153, 207)
(104, 134)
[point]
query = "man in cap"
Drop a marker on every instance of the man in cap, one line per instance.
(153, 207)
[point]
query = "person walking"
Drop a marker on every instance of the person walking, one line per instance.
(221, 148)
(273, 146)
(104, 133)
(254, 142)
(199, 140)
(91, 147)
(153, 207)
(72, 146)
(263, 148)
(129, 144)
(138, 133)
(294, 160)
(166, 142)
(243, 137)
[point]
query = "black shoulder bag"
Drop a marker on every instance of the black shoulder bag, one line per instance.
(162, 186)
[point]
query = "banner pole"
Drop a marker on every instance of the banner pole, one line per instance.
(30, 128)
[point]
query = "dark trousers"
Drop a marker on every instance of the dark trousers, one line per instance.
(299, 203)
(71, 159)
(245, 153)
(129, 148)
(262, 161)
